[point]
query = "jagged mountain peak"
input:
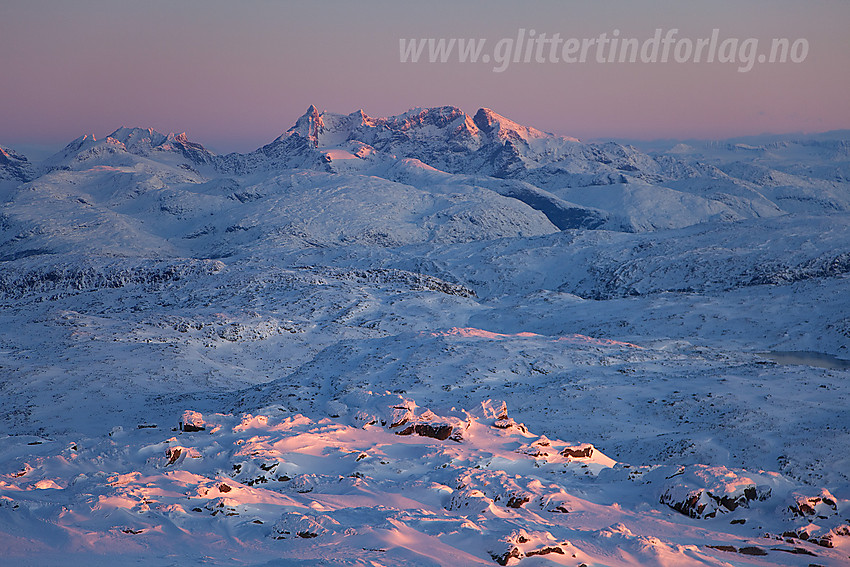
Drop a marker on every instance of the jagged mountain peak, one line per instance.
(503, 128)
(124, 141)
(133, 135)
(80, 142)
(14, 166)
(142, 141)
(308, 126)
(181, 138)
(8, 155)
(435, 116)
(73, 148)
(323, 129)
(328, 128)
(360, 115)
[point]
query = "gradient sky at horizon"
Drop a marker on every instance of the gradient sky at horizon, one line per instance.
(234, 75)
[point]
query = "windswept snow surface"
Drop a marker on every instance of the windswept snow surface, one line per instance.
(429, 339)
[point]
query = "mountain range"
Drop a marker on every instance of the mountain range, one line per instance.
(503, 179)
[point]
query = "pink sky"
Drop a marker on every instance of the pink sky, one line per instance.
(234, 75)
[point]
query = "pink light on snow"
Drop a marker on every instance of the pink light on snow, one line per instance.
(473, 332)
(574, 338)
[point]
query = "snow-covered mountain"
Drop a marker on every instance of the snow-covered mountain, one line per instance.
(429, 339)
(487, 144)
(14, 167)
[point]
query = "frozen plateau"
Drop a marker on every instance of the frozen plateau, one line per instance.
(430, 339)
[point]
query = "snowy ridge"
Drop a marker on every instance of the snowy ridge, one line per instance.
(74, 275)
